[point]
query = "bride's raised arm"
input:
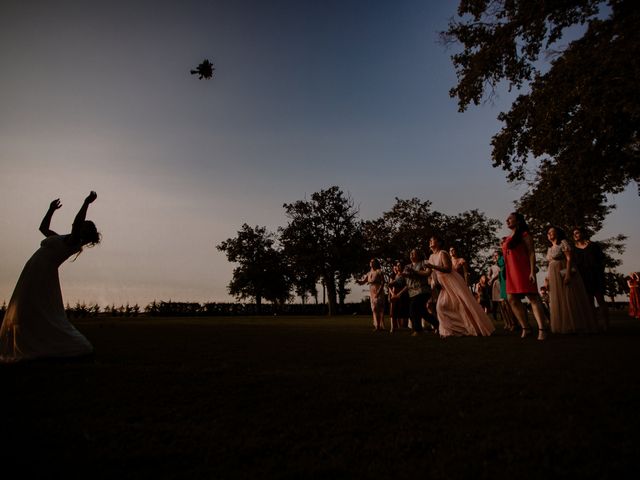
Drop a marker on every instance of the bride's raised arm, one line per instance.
(82, 214)
(46, 221)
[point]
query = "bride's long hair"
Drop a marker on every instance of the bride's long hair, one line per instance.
(89, 237)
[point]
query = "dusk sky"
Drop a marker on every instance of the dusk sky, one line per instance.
(97, 95)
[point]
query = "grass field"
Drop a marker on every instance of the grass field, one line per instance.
(324, 398)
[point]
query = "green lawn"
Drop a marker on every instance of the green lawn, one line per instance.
(314, 397)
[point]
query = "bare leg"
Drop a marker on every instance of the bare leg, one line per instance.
(519, 312)
(604, 310)
(375, 311)
(374, 315)
(393, 313)
(507, 315)
(380, 317)
(538, 313)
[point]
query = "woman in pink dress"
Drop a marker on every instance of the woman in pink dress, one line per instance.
(35, 324)
(375, 279)
(458, 311)
(520, 259)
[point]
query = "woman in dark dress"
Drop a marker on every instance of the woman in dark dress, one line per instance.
(589, 259)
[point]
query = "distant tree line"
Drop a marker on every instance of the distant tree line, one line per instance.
(195, 309)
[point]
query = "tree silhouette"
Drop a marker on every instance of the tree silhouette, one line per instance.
(583, 112)
(261, 272)
(324, 240)
(410, 223)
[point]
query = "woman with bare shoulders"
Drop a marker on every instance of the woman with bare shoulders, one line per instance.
(35, 324)
(459, 264)
(375, 279)
(520, 261)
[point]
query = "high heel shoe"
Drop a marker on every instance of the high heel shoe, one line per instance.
(525, 332)
(542, 334)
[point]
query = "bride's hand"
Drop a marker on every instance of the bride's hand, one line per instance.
(55, 205)
(92, 197)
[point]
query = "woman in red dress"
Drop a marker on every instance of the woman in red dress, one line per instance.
(520, 258)
(633, 281)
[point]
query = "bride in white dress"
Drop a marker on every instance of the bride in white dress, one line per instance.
(35, 324)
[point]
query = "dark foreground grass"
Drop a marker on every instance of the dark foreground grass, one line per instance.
(324, 398)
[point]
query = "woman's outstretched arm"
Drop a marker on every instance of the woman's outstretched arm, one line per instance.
(46, 221)
(82, 213)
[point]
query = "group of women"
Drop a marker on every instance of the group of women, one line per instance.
(430, 290)
(574, 279)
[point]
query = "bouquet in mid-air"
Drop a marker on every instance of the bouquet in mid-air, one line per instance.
(204, 70)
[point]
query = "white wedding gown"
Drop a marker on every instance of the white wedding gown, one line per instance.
(35, 324)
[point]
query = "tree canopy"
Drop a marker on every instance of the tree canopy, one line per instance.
(580, 112)
(410, 223)
(261, 272)
(324, 239)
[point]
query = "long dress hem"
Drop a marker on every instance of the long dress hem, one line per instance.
(459, 313)
(570, 309)
(35, 324)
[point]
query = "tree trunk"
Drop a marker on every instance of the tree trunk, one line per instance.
(258, 304)
(330, 283)
(342, 292)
